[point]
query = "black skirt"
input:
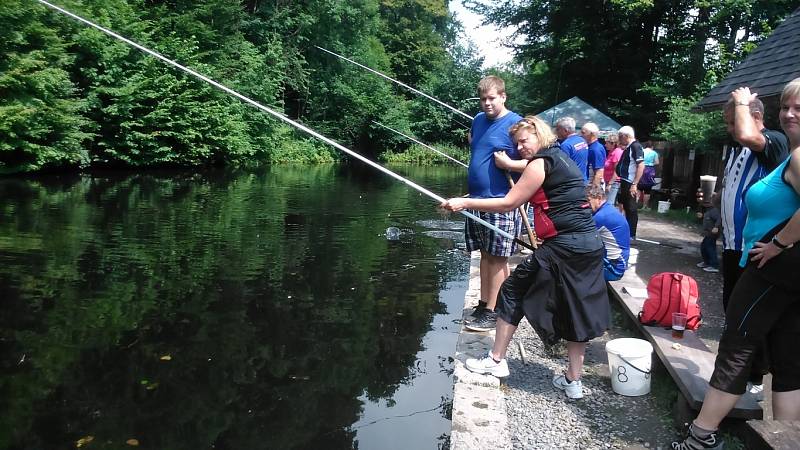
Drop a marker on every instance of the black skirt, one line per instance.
(562, 294)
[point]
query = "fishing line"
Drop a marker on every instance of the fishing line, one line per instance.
(398, 82)
(280, 116)
(421, 143)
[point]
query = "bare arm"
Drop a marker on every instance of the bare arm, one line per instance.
(530, 182)
(503, 161)
(639, 172)
(790, 233)
(598, 177)
(745, 129)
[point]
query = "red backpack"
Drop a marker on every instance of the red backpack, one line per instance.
(670, 292)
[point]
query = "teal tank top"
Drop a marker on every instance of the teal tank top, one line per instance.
(770, 202)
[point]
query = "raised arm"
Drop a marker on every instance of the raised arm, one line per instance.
(745, 129)
(530, 182)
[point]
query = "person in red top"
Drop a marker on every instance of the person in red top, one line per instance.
(559, 288)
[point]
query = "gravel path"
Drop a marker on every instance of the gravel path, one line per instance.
(540, 416)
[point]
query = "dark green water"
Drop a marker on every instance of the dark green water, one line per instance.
(228, 309)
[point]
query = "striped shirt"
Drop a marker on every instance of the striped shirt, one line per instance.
(743, 168)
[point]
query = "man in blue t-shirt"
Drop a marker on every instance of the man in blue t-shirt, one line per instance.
(614, 232)
(489, 134)
(572, 144)
(596, 155)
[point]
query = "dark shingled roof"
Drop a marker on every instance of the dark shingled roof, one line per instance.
(775, 62)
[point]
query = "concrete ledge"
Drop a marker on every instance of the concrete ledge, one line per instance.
(479, 410)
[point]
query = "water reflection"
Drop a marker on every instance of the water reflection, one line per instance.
(226, 309)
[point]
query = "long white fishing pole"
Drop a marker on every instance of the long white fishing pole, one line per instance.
(398, 82)
(277, 115)
(421, 143)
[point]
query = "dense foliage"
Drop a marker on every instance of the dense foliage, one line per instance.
(630, 57)
(72, 96)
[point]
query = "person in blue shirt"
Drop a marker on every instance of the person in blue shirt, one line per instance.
(614, 232)
(597, 153)
(572, 144)
(489, 134)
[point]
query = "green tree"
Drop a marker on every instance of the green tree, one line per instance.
(42, 121)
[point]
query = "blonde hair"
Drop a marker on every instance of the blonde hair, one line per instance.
(537, 127)
(491, 82)
(792, 89)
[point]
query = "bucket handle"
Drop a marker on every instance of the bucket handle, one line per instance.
(647, 372)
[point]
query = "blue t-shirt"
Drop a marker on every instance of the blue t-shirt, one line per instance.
(615, 234)
(650, 157)
(770, 202)
(597, 158)
(575, 147)
(484, 179)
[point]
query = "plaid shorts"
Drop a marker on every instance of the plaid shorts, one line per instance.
(480, 237)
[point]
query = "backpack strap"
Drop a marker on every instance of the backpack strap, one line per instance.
(686, 292)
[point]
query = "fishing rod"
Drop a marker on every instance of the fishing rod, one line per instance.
(398, 82)
(421, 143)
(523, 213)
(279, 116)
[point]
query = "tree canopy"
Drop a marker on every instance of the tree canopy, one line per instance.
(72, 97)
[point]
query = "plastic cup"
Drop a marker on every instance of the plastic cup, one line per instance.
(678, 325)
(707, 185)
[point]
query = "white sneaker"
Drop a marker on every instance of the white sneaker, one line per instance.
(710, 269)
(574, 390)
(756, 389)
(701, 264)
(488, 366)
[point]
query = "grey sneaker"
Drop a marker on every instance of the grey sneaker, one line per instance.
(701, 264)
(574, 389)
(476, 312)
(486, 322)
(488, 366)
(710, 269)
(692, 442)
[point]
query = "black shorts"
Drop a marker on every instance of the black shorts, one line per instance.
(760, 315)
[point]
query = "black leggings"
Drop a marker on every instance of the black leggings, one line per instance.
(628, 203)
(759, 315)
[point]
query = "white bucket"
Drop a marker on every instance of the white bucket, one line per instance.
(630, 360)
(663, 207)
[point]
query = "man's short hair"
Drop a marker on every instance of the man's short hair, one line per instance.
(595, 191)
(591, 128)
(792, 89)
(756, 106)
(535, 126)
(627, 130)
(566, 124)
(491, 82)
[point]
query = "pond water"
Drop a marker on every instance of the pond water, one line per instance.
(229, 309)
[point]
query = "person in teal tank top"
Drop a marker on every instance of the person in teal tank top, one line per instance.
(764, 307)
(770, 202)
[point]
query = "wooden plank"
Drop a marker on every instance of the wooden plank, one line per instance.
(690, 365)
(773, 434)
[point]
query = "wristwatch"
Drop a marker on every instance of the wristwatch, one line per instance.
(780, 245)
(741, 103)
